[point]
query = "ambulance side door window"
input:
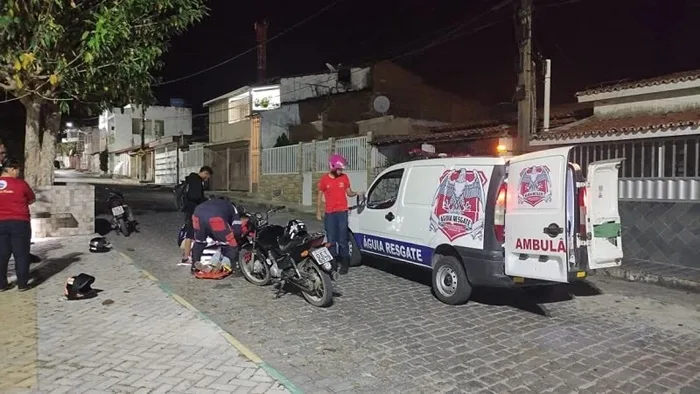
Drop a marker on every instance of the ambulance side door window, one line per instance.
(385, 191)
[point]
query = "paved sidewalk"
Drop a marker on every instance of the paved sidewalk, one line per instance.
(131, 338)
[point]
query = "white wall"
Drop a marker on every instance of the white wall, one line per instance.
(309, 86)
(276, 122)
(177, 121)
(668, 101)
(166, 166)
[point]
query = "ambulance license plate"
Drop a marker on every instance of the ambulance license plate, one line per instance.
(322, 255)
(119, 210)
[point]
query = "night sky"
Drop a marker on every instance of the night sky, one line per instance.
(589, 42)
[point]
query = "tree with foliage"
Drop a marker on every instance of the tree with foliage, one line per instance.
(61, 54)
(104, 161)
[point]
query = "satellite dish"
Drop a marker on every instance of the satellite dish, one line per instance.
(381, 104)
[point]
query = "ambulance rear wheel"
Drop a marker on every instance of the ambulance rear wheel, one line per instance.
(355, 254)
(450, 281)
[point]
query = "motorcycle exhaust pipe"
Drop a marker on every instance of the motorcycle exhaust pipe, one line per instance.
(334, 275)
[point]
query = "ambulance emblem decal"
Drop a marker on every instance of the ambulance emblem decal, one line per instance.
(535, 186)
(458, 205)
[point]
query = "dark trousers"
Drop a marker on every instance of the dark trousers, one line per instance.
(189, 229)
(336, 227)
(217, 229)
(15, 240)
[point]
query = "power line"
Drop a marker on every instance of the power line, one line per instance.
(303, 21)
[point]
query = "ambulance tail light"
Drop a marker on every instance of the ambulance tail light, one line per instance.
(582, 211)
(499, 213)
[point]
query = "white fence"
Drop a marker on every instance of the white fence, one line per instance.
(283, 160)
(355, 152)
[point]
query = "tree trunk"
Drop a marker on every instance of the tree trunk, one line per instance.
(51, 116)
(32, 142)
(41, 128)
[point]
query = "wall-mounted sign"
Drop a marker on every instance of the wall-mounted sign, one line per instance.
(265, 98)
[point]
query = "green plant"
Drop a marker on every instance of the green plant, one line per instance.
(104, 160)
(90, 54)
(283, 140)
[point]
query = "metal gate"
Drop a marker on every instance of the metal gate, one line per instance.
(219, 165)
(239, 169)
(231, 166)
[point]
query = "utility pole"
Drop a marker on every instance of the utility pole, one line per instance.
(527, 115)
(261, 40)
(143, 143)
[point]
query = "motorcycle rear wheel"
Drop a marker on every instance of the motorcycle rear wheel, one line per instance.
(322, 280)
(124, 227)
(246, 261)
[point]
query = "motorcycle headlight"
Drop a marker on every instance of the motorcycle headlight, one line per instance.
(327, 266)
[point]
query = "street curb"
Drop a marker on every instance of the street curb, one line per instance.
(654, 279)
(244, 350)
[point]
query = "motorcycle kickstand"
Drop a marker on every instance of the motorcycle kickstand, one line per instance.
(280, 290)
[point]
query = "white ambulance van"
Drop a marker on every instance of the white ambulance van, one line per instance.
(529, 220)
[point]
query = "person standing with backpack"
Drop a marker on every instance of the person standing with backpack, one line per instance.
(192, 194)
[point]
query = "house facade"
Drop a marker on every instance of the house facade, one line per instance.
(655, 125)
(161, 126)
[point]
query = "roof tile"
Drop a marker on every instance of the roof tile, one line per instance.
(596, 126)
(682, 76)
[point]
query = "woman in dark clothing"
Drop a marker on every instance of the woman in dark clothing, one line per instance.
(15, 225)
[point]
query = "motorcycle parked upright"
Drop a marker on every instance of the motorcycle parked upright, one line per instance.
(303, 261)
(122, 219)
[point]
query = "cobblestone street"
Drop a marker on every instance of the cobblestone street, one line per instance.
(131, 338)
(387, 333)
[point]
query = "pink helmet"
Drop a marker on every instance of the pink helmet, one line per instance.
(337, 162)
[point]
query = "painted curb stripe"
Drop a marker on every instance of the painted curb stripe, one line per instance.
(244, 350)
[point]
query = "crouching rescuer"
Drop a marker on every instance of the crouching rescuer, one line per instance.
(219, 220)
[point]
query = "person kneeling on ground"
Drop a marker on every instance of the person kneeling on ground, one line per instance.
(219, 220)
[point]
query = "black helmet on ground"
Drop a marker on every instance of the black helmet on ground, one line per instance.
(100, 245)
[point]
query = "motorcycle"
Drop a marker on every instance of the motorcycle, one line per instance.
(304, 262)
(122, 218)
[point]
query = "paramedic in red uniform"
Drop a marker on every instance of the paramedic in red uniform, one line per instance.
(15, 225)
(219, 220)
(334, 187)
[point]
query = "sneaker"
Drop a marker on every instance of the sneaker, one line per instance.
(23, 288)
(185, 262)
(5, 288)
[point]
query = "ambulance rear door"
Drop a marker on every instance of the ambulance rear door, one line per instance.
(536, 228)
(602, 215)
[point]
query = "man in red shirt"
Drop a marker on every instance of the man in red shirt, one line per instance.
(15, 225)
(334, 188)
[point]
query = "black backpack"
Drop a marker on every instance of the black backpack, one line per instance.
(180, 193)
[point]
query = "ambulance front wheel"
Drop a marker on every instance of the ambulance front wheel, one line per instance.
(450, 281)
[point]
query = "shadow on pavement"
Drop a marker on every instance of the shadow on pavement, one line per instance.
(52, 267)
(530, 300)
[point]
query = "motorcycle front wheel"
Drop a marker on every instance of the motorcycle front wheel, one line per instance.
(322, 285)
(254, 268)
